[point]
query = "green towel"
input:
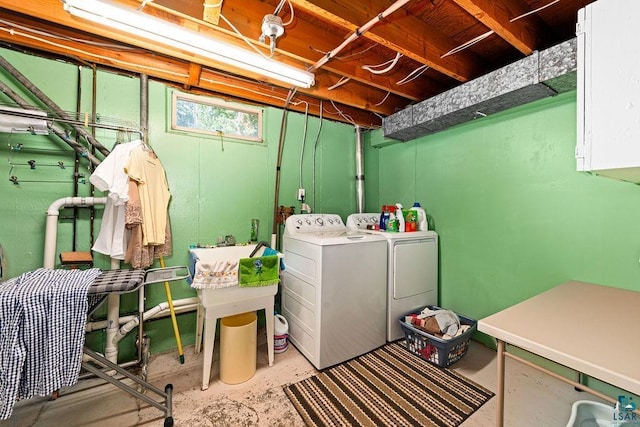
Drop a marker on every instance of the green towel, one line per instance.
(259, 271)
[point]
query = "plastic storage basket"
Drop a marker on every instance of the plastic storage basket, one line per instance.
(436, 350)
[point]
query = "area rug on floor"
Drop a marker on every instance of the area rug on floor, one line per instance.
(388, 387)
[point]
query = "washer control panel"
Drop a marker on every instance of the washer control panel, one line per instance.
(363, 221)
(314, 223)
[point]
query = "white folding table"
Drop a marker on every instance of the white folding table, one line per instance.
(589, 328)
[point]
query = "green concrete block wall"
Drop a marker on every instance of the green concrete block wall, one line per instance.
(513, 215)
(217, 186)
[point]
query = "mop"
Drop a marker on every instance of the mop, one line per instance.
(173, 316)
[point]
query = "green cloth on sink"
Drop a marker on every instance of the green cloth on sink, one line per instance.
(259, 271)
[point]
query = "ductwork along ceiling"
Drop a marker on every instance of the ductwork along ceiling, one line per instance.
(370, 58)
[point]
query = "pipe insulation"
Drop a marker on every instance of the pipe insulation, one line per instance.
(51, 227)
(51, 105)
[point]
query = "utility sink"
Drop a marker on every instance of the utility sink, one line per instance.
(232, 293)
(222, 302)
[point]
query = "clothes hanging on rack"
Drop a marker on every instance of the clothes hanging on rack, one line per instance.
(110, 176)
(146, 169)
(138, 254)
(135, 224)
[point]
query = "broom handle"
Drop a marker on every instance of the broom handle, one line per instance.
(173, 316)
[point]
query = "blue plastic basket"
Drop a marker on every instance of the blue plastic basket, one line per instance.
(433, 349)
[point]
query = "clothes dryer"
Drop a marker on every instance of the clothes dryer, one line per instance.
(412, 269)
(333, 288)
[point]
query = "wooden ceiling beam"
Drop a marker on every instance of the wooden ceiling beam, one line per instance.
(182, 74)
(195, 70)
(400, 32)
(59, 17)
(275, 96)
(211, 12)
(296, 43)
(523, 34)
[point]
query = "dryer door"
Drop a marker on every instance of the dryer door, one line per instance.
(415, 267)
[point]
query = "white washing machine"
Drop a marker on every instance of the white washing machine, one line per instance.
(412, 269)
(333, 288)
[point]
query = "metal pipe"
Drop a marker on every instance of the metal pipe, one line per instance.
(50, 104)
(144, 125)
(144, 106)
(313, 161)
(76, 163)
(94, 109)
(359, 170)
(283, 128)
(577, 385)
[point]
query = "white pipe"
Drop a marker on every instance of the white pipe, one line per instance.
(51, 230)
(157, 311)
(181, 306)
(113, 313)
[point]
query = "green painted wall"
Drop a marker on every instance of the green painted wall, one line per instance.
(217, 186)
(513, 215)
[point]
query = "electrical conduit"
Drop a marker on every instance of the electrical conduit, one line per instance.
(357, 33)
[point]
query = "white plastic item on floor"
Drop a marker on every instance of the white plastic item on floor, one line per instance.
(281, 330)
(238, 347)
(585, 413)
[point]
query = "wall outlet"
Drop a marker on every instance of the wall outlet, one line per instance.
(300, 194)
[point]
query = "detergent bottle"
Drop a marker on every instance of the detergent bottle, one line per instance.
(422, 217)
(400, 217)
(384, 218)
(410, 221)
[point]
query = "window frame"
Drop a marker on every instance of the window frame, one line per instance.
(217, 103)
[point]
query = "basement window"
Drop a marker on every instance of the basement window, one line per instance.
(210, 116)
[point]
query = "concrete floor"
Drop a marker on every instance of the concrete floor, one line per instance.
(533, 398)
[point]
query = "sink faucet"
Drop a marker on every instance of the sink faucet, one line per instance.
(260, 244)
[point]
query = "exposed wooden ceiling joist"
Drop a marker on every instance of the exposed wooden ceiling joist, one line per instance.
(423, 33)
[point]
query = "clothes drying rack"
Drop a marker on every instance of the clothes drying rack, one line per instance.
(123, 281)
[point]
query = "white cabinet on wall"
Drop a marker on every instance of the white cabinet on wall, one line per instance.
(608, 98)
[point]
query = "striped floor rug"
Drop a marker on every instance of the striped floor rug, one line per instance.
(387, 387)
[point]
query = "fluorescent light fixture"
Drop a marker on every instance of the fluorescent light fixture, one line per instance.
(140, 24)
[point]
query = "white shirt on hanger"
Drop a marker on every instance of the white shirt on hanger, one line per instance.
(109, 176)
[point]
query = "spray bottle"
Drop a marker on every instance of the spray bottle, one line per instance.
(392, 224)
(400, 218)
